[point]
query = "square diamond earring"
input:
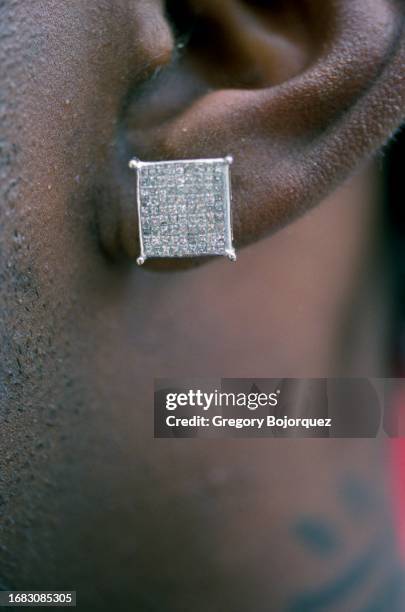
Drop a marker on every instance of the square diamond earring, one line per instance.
(184, 208)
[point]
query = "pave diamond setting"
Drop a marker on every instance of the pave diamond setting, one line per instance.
(184, 208)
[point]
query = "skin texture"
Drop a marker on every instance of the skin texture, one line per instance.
(302, 94)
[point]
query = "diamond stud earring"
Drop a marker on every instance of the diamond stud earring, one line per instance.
(184, 208)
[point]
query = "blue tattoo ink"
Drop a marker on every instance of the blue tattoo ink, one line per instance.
(318, 536)
(337, 590)
(358, 497)
(390, 598)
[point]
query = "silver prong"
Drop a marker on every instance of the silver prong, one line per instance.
(231, 254)
(140, 261)
(229, 159)
(134, 163)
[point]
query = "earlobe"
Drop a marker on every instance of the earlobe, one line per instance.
(292, 141)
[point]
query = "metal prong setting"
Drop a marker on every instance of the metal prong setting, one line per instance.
(135, 163)
(229, 160)
(140, 261)
(231, 254)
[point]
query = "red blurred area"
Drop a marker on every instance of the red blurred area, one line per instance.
(397, 463)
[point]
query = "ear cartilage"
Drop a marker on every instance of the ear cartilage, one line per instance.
(184, 208)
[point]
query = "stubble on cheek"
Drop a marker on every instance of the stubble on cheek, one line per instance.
(56, 128)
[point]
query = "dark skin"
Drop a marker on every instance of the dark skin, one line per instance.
(302, 94)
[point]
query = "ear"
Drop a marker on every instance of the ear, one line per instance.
(299, 92)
